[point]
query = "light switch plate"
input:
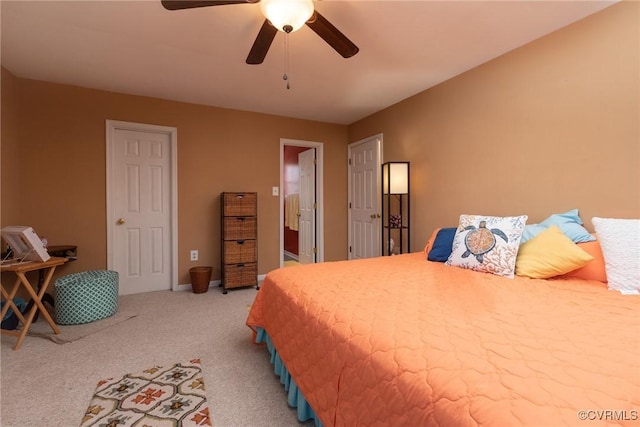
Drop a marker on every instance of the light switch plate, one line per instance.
(275, 191)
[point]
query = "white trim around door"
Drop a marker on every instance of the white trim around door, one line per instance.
(112, 126)
(319, 195)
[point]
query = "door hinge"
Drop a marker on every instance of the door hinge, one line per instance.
(315, 206)
(315, 161)
(315, 250)
(349, 205)
(349, 249)
(349, 162)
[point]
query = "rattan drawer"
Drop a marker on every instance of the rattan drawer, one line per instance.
(239, 251)
(238, 275)
(239, 204)
(239, 228)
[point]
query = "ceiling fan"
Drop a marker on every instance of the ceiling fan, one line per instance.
(283, 15)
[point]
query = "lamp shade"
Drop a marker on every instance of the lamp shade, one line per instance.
(395, 178)
(281, 13)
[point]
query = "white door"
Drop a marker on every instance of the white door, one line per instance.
(140, 209)
(364, 198)
(307, 207)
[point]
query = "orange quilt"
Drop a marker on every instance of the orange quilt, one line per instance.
(401, 341)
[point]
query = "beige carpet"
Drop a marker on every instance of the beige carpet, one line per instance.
(46, 384)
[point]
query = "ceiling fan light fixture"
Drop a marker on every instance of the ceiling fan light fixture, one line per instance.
(287, 13)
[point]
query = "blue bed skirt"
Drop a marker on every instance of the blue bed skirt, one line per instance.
(295, 398)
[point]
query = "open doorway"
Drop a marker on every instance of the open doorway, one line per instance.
(301, 207)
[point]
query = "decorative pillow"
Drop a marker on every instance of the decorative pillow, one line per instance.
(620, 242)
(531, 231)
(569, 222)
(487, 243)
(549, 254)
(594, 270)
(432, 239)
(441, 247)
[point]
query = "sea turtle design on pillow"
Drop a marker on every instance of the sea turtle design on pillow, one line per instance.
(481, 240)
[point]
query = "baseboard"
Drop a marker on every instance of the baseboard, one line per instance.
(214, 284)
(291, 255)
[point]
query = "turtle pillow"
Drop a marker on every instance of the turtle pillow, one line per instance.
(487, 243)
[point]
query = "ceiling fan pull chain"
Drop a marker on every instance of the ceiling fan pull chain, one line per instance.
(285, 76)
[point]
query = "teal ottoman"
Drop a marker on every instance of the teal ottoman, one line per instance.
(86, 296)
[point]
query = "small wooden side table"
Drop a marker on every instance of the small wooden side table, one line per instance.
(48, 268)
(69, 252)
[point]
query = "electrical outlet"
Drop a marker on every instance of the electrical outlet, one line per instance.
(194, 255)
(275, 191)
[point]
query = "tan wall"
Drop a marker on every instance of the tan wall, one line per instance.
(9, 202)
(62, 185)
(551, 126)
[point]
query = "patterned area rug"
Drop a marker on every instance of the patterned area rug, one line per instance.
(159, 397)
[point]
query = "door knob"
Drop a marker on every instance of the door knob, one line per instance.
(120, 221)
(372, 216)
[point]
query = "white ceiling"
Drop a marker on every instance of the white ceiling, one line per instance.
(198, 55)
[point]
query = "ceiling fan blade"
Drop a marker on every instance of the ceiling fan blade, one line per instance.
(262, 43)
(190, 4)
(332, 35)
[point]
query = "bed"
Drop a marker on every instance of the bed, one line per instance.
(403, 341)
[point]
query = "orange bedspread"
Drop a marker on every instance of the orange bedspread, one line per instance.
(401, 341)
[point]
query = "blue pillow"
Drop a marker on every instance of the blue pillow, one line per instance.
(441, 248)
(576, 232)
(570, 216)
(569, 223)
(531, 231)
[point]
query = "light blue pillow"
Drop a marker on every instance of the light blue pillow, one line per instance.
(576, 232)
(531, 231)
(556, 219)
(569, 222)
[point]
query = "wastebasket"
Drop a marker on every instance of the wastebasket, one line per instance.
(200, 277)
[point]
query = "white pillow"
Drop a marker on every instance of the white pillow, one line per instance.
(620, 243)
(487, 243)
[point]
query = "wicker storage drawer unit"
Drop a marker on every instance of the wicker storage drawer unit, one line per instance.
(240, 204)
(238, 275)
(240, 251)
(239, 227)
(239, 224)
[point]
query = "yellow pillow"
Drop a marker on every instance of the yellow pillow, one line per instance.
(549, 254)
